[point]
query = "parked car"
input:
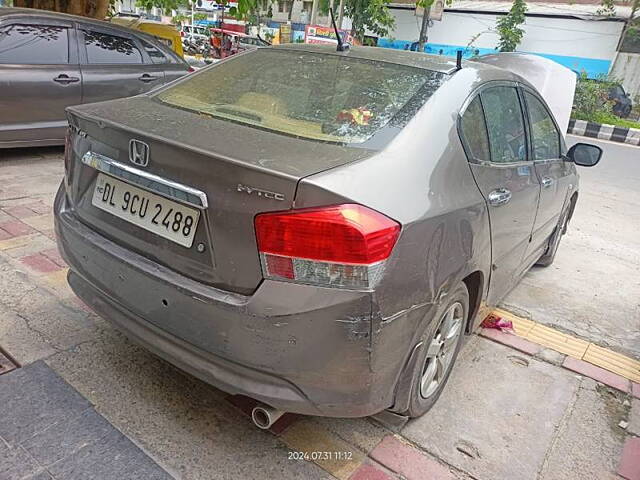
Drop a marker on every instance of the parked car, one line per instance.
(164, 33)
(49, 61)
(248, 41)
(321, 236)
(196, 32)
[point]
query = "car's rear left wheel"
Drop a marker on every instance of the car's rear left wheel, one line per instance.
(441, 344)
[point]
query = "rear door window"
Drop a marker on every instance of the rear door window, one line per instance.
(106, 48)
(474, 131)
(505, 124)
(34, 44)
(154, 53)
(545, 138)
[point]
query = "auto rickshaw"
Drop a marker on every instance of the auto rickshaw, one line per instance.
(163, 32)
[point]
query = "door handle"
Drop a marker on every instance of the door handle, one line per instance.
(499, 197)
(65, 79)
(547, 182)
(147, 78)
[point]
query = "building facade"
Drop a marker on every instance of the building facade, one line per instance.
(574, 35)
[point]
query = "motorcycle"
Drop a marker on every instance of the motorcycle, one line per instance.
(196, 46)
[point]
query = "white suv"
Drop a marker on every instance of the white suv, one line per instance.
(195, 31)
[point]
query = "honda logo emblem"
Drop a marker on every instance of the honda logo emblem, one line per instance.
(139, 153)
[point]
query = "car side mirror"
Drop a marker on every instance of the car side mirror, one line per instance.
(584, 154)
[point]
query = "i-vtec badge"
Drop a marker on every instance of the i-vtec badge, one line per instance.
(259, 192)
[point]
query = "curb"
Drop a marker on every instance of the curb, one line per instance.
(602, 131)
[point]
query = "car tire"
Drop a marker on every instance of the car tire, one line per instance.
(435, 359)
(549, 255)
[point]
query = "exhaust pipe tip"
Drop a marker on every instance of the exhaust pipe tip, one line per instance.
(264, 416)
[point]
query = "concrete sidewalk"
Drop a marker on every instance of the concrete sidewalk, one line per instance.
(504, 415)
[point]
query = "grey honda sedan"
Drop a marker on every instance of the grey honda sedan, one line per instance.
(49, 61)
(320, 235)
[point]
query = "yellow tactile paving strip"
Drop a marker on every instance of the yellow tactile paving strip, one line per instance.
(318, 445)
(617, 363)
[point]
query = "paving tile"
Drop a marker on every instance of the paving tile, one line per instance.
(40, 222)
(37, 399)
(304, 436)
(16, 463)
(408, 461)
(19, 211)
(40, 476)
(369, 472)
(588, 442)
(58, 281)
(10, 192)
(634, 418)
(65, 438)
(54, 255)
(39, 263)
(17, 242)
(511, 340)
(561, 342)
(16, 228)
(613, 361)
(5, 235)
(629, 467)
(599, 374)
(39, 207)
(498, 413)
(115, 457)
(635, 389)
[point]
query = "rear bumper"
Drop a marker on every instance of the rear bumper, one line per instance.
(298, 348)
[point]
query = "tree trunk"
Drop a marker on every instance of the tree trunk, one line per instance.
(86, 8)
(340, 13)
(423, 29)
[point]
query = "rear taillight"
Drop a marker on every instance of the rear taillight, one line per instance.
(191, 70)
(340, 246)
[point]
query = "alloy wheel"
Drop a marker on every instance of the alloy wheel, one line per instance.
(441, 350)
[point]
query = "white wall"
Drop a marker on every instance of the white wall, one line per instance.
(558, 36)
(627, 69)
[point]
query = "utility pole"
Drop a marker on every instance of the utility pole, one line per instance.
(423, 29)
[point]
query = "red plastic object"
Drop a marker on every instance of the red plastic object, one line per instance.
(497, 323)
(343, 233)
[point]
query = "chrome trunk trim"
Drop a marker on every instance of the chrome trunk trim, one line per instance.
(147, 181)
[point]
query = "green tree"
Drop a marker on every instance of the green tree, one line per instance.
(370, 15)
(86, 8)
(508, 27)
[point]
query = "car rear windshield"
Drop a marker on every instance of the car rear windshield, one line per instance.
(316, 96)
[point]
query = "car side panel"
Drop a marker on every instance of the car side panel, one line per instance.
(32, 103)
(422, 180)
(101, 82)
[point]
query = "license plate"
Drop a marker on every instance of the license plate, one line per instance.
(166, 218)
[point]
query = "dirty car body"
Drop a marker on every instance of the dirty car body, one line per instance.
(289, 319)
(49, 61)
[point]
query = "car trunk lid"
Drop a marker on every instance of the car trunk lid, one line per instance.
(242, 171)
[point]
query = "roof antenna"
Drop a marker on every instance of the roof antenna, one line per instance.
(341, 46)
(459, 60)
